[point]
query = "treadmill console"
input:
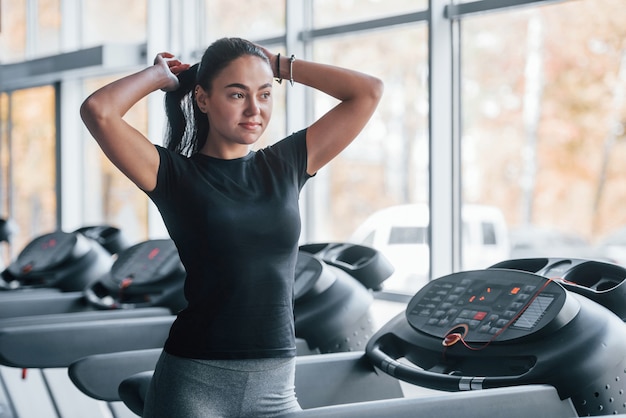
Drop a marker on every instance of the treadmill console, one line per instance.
(486, 305)
(147, 274)
(61, 260)
(146, 263)
(46, 252)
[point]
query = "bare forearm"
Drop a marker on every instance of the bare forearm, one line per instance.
(340, 83)
(115, 99)
(358, 95)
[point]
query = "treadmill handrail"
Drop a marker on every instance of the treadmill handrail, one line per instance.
(59, 345)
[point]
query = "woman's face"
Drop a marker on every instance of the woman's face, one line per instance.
(239, 104)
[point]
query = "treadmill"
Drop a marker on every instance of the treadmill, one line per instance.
(494, 342)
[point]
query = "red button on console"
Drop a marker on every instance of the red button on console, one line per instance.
(480, 315)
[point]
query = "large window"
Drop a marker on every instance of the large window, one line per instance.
(13, 34)
(387, 165)
(112, 21)
(542, 109)
(333, 12)
(543, 124)
(29, 171)
(48, 35)
(44, 36)
(229, 18)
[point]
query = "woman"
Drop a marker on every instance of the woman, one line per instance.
(232, 212)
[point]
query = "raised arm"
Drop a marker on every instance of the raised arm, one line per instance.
(358, 94)
(102, 112)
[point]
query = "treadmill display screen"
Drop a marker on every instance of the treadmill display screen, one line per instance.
(534, 312)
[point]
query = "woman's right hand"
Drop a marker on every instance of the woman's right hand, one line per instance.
(170, 68)
(272, 59)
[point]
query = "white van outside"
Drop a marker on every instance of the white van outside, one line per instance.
(401, 234)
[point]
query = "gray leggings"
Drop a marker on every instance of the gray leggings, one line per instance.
(190, 388)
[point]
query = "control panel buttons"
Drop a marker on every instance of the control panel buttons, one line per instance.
(487, 303)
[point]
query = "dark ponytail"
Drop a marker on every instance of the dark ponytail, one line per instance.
(188, 127)
(186, 123)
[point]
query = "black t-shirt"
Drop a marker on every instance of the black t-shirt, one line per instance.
(236, 224)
